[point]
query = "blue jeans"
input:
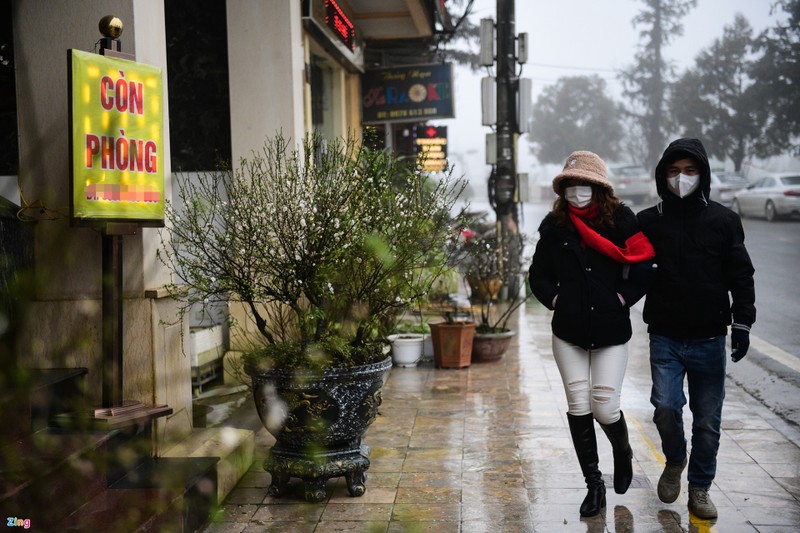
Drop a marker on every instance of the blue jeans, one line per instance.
(702, 362)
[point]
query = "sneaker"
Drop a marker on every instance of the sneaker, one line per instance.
(669, 485)
(700, 504)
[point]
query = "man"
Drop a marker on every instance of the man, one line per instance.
(702, 261)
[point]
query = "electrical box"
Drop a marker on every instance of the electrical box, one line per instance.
(524, 106)
(491, 149)
(486, 55)
(523, 187)
(488, 101)
(522, 48)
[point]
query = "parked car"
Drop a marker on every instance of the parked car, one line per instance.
(773, 196)
(725, 185)
(632, 183)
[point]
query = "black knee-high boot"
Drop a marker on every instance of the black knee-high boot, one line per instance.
(585, 442)
(623, 455)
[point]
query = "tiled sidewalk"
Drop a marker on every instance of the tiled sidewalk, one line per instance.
(487, 449)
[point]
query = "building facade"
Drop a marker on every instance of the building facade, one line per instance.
(289, 66)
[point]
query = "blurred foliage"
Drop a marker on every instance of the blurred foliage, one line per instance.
(327, 239)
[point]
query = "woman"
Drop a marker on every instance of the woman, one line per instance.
(585, 270)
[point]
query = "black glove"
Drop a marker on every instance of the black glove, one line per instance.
(740, 342)
(642, 274)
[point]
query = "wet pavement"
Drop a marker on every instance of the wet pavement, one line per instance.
(487, 448)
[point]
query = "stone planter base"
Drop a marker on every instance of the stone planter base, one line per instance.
(318, 421)
(316, 467)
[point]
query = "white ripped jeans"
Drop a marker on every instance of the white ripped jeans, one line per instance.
(592, 378)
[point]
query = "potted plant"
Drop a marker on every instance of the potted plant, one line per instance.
(406, 348)
(452, 342)
(410, 342)
(487, 266)
(452, 337)
(319, 243)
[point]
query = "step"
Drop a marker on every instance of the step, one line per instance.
(233, 446)
(36, 396)
(137, 510)
(52, 470)
(160, 495)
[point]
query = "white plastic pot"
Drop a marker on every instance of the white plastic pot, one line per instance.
(406, 348)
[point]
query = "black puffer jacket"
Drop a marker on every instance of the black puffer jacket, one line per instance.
(588, 312)
(702, 260)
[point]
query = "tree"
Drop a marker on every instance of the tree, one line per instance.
(646, 82)
(575, 114)
(777, 77)
(716, 99)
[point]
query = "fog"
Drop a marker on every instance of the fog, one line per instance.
(574, 38)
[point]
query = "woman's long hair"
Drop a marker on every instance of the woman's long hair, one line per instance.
(607, 204)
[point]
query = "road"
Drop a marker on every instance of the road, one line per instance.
(771, 373)
(775, 251)
(771, 370)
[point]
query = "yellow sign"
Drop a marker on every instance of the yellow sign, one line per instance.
(431, 143)
(117, 143)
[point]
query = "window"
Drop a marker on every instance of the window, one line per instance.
(199, 99)
(322, 97)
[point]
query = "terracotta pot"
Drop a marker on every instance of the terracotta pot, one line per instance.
(452, 344)
(487, 347)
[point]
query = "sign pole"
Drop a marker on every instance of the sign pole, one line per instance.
(112, 282)
(112, 319)
(116, 185)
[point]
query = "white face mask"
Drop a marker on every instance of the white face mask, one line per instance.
(683, 185)
(578, 195)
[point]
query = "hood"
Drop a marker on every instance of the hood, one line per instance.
(682, 149)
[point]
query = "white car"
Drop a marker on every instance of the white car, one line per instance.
(724, 187)
(632, 183)
(771, 197)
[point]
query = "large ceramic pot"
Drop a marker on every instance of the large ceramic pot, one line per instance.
(318, 422)
(452, 344)
(488, 347)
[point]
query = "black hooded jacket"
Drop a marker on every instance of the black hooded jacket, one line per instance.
(704, 278)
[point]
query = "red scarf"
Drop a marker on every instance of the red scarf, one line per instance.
(637, 247)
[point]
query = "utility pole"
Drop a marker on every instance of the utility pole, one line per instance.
(506, 107)
(505, 179)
